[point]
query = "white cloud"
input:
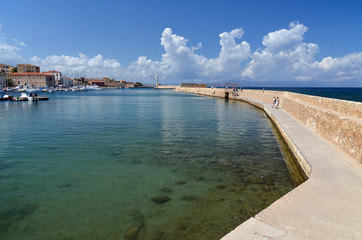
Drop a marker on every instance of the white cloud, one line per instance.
(9, 52)
(19, 43)
(347, 68)
(180, 62)
(81, 65)
(285, 58)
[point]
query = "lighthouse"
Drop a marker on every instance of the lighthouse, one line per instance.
(157, 84)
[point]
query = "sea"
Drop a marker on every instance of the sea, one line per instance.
(346, 93)
(137, 164)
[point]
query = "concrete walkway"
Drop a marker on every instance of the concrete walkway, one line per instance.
(327, 206)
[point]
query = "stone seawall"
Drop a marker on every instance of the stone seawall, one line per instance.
(338, 121)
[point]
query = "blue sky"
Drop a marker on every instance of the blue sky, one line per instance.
(286, 43)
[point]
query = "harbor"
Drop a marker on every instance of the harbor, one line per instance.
(132, 159)
(181, 120)
(327, 205)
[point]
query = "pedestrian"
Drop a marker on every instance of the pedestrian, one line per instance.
(277, 103)
(274, 102)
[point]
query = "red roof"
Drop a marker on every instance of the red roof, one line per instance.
(52, 71)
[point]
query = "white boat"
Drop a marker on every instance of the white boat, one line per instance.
(23, 97)
(94, 88)
(20, 89)
(5, 96)
(33, 90)
(10, 89)
(32, 96)
(48, 89)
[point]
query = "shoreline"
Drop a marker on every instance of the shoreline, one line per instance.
(327, 205)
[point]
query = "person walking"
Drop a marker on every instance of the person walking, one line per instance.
(274, 102)
(277, 103)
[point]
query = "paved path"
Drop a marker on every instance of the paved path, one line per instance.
(327, 206)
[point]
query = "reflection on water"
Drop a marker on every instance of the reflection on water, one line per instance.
(136, 164)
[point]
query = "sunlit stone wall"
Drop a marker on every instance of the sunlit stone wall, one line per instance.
(338, 121)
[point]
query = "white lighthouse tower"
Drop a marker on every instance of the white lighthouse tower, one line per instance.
(157, 83)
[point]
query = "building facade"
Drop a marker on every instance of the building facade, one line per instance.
(57, 77)
(31, 79)
(125, 84)
(22, 68)
(2, 79)
(6, 68)
(109, 82)
(67, 81)
(97, 82)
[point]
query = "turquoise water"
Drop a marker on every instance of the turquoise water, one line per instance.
(135, 164)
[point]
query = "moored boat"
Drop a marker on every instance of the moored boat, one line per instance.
(94, 88)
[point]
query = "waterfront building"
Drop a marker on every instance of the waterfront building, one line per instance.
(57, 77)
(125, 84)
(67, 81)
(27, 68)
(97, 82)
(2, 79)
(109, 82)
(6, 68)
(35, 79)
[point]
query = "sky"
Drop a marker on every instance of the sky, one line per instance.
(267, 43)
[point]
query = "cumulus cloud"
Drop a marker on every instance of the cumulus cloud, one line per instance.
(181, 62)
(285, 58)
(92, 67)
(9, 52)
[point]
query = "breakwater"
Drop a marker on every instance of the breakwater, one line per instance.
(338, 121)
(326, 205)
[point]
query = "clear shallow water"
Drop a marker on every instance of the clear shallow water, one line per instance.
(135, 164)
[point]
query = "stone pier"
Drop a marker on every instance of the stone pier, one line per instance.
(325, 136)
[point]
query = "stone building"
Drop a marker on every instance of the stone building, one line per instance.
(2, 79)
(97, 82)
(22, 68)
(125, 84)
(6, 68)
(57, 77)
(67, 81)
(109, 82)
(35, 79)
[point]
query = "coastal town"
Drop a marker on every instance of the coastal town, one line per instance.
(25, 76)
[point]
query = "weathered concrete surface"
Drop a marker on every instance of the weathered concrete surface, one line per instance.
(327, 206)
(165, 87)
